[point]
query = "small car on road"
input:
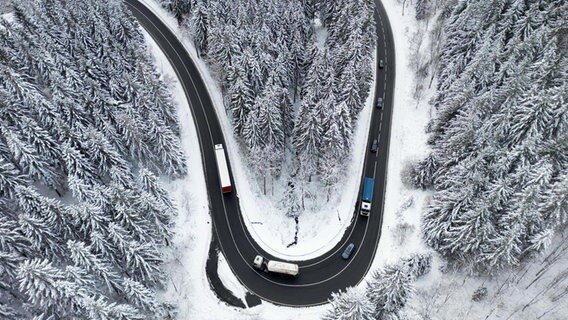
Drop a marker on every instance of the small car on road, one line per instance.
(375, 145)
(348, 251)
(381, 64)
(379, 103)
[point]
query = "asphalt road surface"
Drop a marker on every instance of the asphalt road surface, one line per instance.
(318, 277)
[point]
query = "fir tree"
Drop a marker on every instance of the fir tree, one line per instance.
(389, 290)
(200, 26)
(10, 178)
(38, 279)
(422, 8)
(353, 304)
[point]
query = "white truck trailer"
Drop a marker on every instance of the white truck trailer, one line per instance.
(224, 179)
(283, 268)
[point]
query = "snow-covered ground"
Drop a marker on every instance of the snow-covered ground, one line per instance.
(440, 295)
(403, 206)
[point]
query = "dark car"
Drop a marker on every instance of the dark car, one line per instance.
(375, 145)
(381, 64)
(380, 103)
(348, 251)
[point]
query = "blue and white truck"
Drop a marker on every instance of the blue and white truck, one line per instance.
(367, 196)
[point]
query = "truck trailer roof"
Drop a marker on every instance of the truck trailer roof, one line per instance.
(224, 178)
(283, 267)
(368, 186)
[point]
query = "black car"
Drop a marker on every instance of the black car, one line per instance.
(348, 251)
(375, 146)
(381, 64)
(380, 103)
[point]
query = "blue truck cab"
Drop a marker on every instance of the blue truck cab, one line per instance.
(367, 196)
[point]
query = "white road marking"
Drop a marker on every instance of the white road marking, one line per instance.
(374, 175)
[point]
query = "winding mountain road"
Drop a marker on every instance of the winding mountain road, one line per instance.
(328, 273)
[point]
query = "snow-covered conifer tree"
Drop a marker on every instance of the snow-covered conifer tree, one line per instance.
(240, 102)
(77, 164)
(140, 295)
(164, 143)
(389, 290)
(149, 183)
(418, 264)
(27, 160)
(252, 133)
(10, 178)
(422, 8)
(307, 134)
(270, 117)
(83, 258)
(180, 8)
(38, 279)
(223, 45)
(200, 25)
(353, 304)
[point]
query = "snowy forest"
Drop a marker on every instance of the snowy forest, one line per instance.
(294, 75)
(499, 160)
(498, 166)
(87, 128)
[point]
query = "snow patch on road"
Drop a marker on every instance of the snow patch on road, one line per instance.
(229, 280)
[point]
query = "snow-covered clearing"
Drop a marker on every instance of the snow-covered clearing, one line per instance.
(401, 227)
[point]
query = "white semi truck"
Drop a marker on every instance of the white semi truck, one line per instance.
(283, 268)
(224, 179)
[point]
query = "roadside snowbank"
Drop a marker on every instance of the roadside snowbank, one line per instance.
(403, 206)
